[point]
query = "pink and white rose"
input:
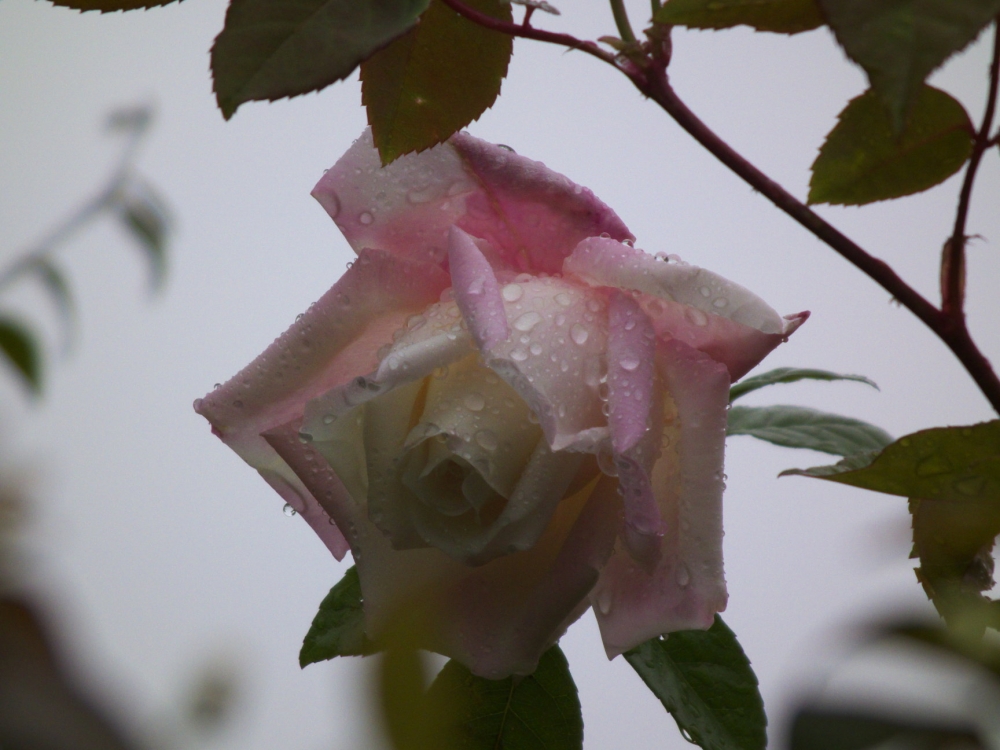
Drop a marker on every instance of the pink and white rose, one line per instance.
(504, 410)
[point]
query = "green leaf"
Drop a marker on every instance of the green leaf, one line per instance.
(705, 681)
(537, 712)
(270, 49)
(863, 160)
(899, 42)
(109, 6)
(57, 286)
(798, 427)
(957, 464)
(18, 346)
(984, 652)
(839, 729)
(782, 16)
(435, 79)
(339, 627)
(144, 217)
(790, 375)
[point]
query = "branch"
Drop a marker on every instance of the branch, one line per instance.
(530, 32)
(104, 199)
(953, 256)
(651, 80)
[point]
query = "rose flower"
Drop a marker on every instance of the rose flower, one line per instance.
(504, 410)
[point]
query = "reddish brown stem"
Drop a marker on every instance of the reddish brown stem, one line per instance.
(953, 256)
(651, 80)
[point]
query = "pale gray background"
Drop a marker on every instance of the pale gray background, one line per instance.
(159, 549)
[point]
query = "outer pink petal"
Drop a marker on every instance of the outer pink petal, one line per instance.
(687, 587)
(631, 358)
(336, 339)
(688, 303)
(532, 216)
(497, 618)
(476, 290)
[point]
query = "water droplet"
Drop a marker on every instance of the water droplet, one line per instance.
(720, 302)
(420, 195)
(604, 601)
(532, 417)
(683, 575)
(527, 321)
(366, 218)
(579, 334)
(328, 419)
(933, 465)
(564, 299)
(487, 440)
(441, 372)
(687, 735)
(630, 324)
(535, 348)
(696, 316)
(415, 321)
(513, 292)
(289, 511)
(605, 236)
(628, 363)
(593, 305)
(971, 486)
(606, 460)
(705, 291)
(519, 355)
(474, 402)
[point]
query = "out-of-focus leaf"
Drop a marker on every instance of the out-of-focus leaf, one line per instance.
(40, 707)
(110, 6)
(58, 288)
(339, 627)
(271, 49)
(830, 729)
(798, 427)
(143, 215)
(538, 712)
(789, 375)
(705, 681)
(958, 464)
(135, 119)
(982, 651)
(18, 346)
(863, 160)
(899, 42)
(782, 16)
(435, 79)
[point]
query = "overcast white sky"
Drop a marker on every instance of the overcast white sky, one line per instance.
(158, 548)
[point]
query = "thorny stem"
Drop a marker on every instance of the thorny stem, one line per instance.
(622, 22)
(102, 201)
(953, 256)
(651, 79)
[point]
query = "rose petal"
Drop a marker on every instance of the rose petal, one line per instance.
(333, 340)
(687, 587)
(554, 358)
(405, 208)
(476, 290)
(685, 302)
(532, 216)
(635, 434)
(497, 618)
